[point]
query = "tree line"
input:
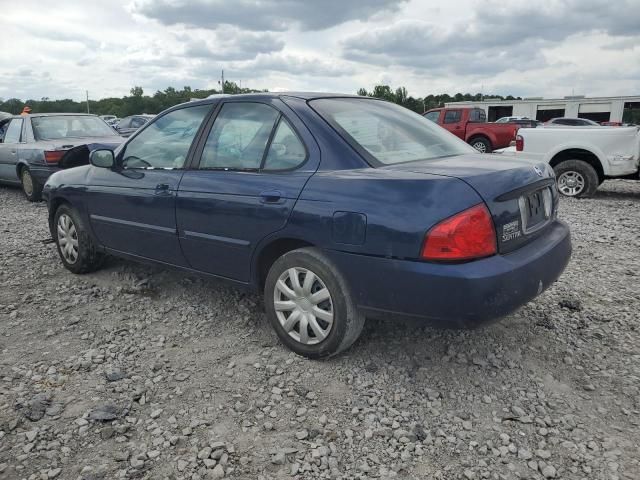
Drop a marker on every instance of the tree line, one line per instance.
(133, 104)
(422, 104)
(137, 102)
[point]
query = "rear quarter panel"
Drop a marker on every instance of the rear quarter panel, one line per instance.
(398, 208)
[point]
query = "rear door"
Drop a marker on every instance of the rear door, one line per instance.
(250, 168)
(132, 207)
(452, 121)
(9, 150)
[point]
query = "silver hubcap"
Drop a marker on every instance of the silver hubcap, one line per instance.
(67, 238)
(27, 182)
(570, 183)
(303, 306)
(481, 147)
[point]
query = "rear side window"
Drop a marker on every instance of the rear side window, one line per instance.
(166, 142)
(239, 137)
(452, 116)
(286, 150)
(385, 133)
(13, 131)
(478, 115)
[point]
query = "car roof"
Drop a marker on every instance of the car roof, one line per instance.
(268, 95)
(55, 115)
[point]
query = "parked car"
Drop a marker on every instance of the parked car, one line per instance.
(525, 122)
(111, 120)
(336, 207)
(571, 122)
(583, 158)
(36, 145)
(470, 124)
(129, 125)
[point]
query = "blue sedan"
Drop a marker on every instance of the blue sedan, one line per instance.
(337, 208)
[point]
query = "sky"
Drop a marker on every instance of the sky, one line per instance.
(550, 48)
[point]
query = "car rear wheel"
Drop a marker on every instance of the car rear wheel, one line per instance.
(576, 178)
(75, 246)
(481, 144)
(30, 187)
(310, 306)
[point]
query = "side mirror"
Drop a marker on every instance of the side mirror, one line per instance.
(102, 158)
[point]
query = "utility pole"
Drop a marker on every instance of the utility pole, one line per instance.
(222, 84)
(87, 92)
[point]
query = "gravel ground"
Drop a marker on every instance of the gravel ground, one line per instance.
(139, 372)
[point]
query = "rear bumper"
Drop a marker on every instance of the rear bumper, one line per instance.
(41, 173)
(456, 295)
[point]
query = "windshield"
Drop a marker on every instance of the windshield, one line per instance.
(70, 126)
(385, 133)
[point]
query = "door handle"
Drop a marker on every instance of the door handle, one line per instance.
(271, 196)
(163, 189)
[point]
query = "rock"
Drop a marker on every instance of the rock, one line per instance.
(156, 413)
(54, 472)
(278, 458)
(35, 409)
(104, 413)
(217, 472)
(302, 434)
(549, 471)
(114, 375)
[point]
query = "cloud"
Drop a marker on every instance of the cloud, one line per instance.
(231, 44)
(500, 36)
(270, 15)
(294, 65)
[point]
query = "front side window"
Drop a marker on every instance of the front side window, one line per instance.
(286, 150)
(385, 133)
(239, 137)
(452, 116)
(55, 127)
(433, 116)
(13, 131)
(124, 123)
(166, 142)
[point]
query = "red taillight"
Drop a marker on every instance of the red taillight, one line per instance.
(465, 236)
(53, 156)
(519, 143)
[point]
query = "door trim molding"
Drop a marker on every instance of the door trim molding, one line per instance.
(128, 223)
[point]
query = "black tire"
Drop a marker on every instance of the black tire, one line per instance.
(482, 144)
(577, 169)
(30, 187)
(347, 320)
(88, 258)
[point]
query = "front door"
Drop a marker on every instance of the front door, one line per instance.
(132, 207)
(9, 150)
(249, 173)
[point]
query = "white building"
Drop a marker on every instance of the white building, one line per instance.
(599, 109)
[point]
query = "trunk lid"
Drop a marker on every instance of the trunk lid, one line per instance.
(521, 195)
(78, 149)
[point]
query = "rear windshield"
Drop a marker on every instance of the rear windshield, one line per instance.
(70, 126)
(385, 133)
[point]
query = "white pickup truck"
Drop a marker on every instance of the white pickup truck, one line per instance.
(582, 157)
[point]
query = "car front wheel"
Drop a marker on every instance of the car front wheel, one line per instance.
(310, 306)
(75, 246)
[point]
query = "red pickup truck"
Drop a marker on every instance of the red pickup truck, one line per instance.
(470, 124)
